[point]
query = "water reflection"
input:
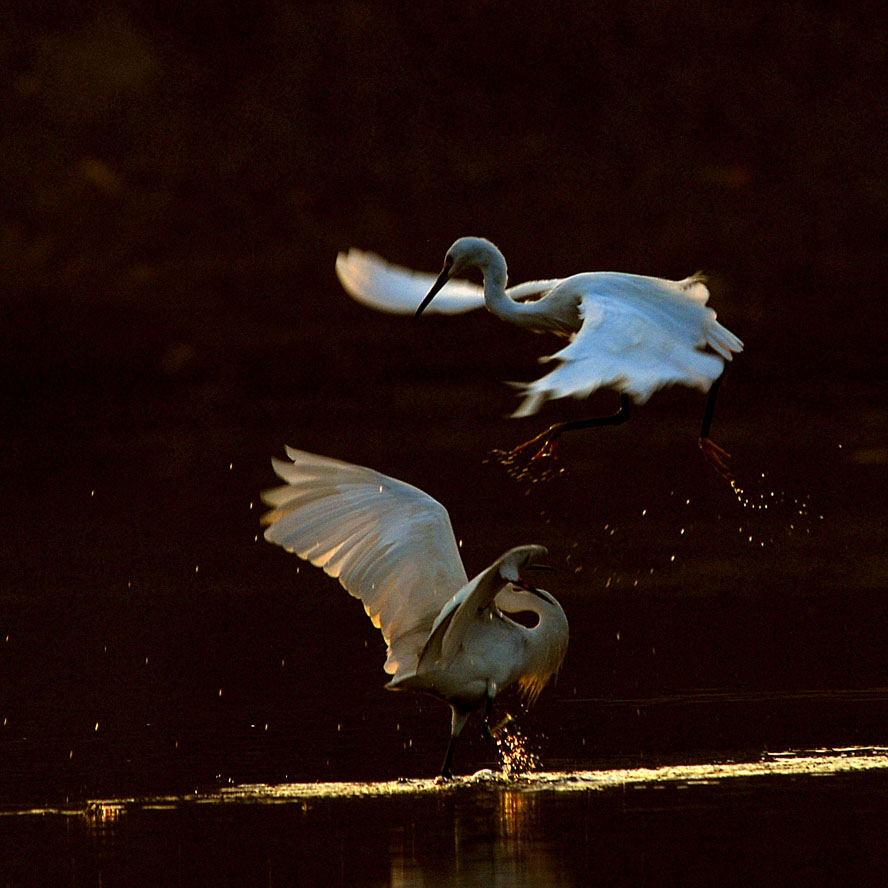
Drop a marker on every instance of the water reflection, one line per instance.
(690, 825)
(103, 818)
(494, 841)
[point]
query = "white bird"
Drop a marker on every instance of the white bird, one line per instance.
(392, 546)
(629, 332)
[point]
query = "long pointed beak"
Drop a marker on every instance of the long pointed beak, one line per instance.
(523, 584)
(436, 287)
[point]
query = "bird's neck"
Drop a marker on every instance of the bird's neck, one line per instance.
(495, 297)
(545, 646)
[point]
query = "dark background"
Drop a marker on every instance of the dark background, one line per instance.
(175, 186)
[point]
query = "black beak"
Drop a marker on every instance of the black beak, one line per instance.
(436, 287)
(523, 584)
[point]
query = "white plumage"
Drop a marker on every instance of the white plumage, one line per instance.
(628, 332)
(369, 279)
(637, 334)
(392, 546)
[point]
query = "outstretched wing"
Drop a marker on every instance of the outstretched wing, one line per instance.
(388, 543)
(638, 334)
(369, 279)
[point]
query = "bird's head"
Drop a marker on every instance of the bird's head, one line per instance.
(516, 561)
(547, 640)
(467, 252)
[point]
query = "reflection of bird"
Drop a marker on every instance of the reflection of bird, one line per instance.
(632, 333)
(392, 546)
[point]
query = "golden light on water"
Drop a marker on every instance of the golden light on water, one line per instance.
(514, 752)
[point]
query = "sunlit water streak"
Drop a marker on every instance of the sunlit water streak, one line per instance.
(796, 764)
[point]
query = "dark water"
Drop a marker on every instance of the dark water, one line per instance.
(828, 830)
(176, 183)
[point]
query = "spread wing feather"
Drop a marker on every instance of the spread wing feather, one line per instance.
(638, 334)
(388, 543)
(372, 281)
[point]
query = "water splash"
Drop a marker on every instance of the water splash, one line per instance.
(523, 468)
(513, 750)
(793, 513)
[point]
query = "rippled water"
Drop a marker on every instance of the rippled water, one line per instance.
(789, 820)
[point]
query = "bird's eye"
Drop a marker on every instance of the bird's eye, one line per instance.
(448, 260)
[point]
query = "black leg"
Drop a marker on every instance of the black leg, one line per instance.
(715, 455)
(614, 419)
(549, 438)
(457, 723)
(446, 773)
(710, 405)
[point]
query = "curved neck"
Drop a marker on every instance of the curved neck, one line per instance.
(546, 642)
(495, 297)
(552, 621)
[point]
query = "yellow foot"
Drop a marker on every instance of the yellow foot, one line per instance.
(541, 466)
(498, 729)
(548, 448)
(716, 457)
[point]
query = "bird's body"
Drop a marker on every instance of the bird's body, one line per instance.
(628, 332)
(392, 546)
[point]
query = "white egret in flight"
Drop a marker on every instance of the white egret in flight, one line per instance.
(632, 333)
(392, 546)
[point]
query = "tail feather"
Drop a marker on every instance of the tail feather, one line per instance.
(723, 340)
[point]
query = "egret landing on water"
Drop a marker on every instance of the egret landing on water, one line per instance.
(628, 332)
(392, 546)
